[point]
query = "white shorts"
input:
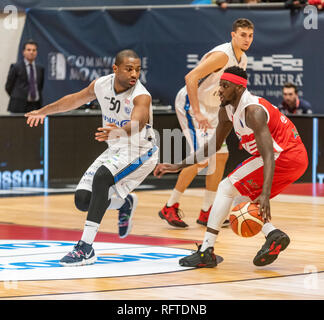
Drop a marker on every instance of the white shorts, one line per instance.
(195, 137)
(129, 168)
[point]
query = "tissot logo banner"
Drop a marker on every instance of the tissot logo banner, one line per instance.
(39, 260)
(169, 47)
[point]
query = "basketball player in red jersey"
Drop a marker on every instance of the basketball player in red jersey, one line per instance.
(278, 158)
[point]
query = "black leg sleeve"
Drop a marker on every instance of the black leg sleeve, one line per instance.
(99, 202)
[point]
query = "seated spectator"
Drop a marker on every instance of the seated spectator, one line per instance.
(223, 3)
(295, 4)
(291, 103)
(291, 4)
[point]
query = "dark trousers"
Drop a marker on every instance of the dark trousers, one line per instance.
(32, 105)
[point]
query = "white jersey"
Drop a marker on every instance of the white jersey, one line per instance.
(208, 87)
(117, 109)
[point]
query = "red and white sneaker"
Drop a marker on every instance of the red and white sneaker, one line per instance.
(203, 217)
(171, 215)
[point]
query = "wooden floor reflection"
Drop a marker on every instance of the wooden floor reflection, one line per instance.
(296, 274)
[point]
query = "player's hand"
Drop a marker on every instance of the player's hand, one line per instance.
(203, 122)
(264, 207)
(34, 117)
(104, 134)
(163, 168)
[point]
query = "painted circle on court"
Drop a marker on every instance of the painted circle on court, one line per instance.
(39, 260)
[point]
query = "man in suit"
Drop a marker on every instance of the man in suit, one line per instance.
(25, 81)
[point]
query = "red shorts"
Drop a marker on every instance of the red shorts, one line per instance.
(289, 166)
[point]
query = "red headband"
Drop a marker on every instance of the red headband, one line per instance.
(234, 78)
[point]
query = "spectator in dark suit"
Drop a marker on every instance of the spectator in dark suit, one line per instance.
(291, 103)
(25, 81)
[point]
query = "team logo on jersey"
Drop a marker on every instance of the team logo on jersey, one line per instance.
(128, 110)
(295, 132)
(39, 260)
(283, 119)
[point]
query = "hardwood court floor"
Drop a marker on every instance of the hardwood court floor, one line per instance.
(298, 273)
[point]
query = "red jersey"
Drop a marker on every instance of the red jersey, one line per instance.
(284, 134)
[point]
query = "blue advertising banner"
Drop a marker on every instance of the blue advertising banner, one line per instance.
(24, 4)
(76, 47)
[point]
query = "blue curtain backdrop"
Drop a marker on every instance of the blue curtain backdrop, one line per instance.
(78, 46)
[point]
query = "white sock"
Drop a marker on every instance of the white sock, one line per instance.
(174, 198)
(89, 232)
(209, 240)
(209, 197)
(115, 203)
(267, 228)
(222, 205)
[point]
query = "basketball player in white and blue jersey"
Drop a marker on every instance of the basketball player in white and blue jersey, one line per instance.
(197, 105)
(131, 154)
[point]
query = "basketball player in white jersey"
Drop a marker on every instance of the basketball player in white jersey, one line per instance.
(197, 106)
(131, 154)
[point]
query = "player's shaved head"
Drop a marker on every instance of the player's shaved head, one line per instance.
(121, 55)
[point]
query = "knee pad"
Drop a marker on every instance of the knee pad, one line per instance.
(227, 189)
(102, 180)
(82, 199)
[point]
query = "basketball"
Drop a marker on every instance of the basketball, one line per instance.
(244, 219)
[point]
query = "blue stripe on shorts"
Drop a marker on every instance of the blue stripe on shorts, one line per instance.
(135, 164)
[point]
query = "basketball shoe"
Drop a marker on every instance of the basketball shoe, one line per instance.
(276, 241)
(199, 259)
(81, 255)
(204, 215)
(125, 215)
(172, 216)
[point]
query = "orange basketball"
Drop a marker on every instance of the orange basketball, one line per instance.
(245, 220)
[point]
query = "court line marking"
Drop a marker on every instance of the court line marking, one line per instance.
(159, 287)
(64, 252)
(105, 277)
(100, 233)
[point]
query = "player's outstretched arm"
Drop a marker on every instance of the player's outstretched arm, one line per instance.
(223, 129)
(67, 103)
